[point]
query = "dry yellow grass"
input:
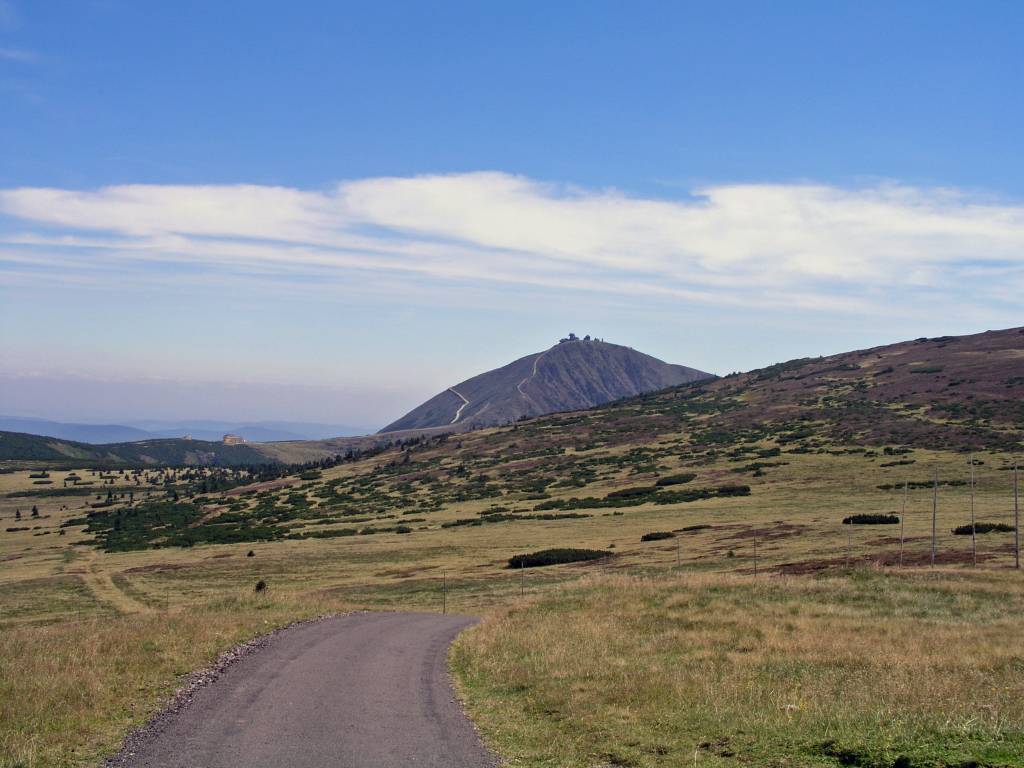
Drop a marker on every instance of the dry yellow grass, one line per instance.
(65, 606)
(727, 670)
(69, 691)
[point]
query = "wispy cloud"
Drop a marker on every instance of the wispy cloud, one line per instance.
(817, 247)
(18, 54)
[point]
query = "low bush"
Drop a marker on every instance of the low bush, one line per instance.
(676, 479)
(871, 520)
(465, 521)
(630, 493)
(657, 536)
(732, 490)
(965, 530)
(631, 497)
(330, 533)
(511, 517)
(919, 484)
(554, 557)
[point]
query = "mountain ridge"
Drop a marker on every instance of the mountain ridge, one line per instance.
(572, 375)
(951, 392)
(207, 430)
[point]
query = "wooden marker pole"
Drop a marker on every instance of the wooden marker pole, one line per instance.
(1016, 519)
(903, 517)
(974, 533)
(935, 512)
(678, 557)
(444, 592)
(522, 578)
(755, 552)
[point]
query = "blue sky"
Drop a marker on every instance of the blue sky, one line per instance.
(330, 211)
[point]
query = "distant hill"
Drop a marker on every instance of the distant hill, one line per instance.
(16, 447)
(572, 375)
(83, 433)
(253, 431)
(262, 431)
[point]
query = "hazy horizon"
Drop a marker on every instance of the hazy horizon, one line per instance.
(331, 214)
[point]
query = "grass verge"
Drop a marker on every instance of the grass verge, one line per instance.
(876, 670)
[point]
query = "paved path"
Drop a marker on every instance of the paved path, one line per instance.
(519, 386)
(465, 402)
(367, 690)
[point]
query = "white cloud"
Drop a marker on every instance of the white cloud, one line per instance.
(769, 245)
(237, 211)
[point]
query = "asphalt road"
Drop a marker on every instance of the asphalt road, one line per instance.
(365, 690)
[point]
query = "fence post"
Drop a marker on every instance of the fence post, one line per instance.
(849, 545)
(974, 533)
(935, 511)
(522, 578)
(903, 517)
(678, 557)
(755, 552)
(1016, 519)
(444, 592)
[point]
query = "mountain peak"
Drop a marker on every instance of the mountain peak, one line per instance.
(573, 374)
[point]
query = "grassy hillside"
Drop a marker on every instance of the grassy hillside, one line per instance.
(950, 392)
(891, 409)
(752, 473)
